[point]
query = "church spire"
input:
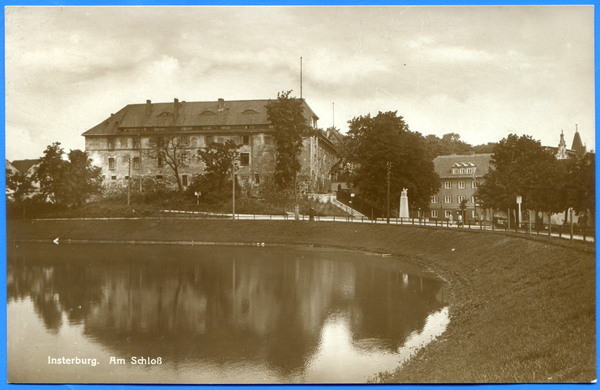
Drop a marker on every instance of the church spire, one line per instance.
(577, 145)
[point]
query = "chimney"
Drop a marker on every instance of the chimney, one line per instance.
(221, 105)
(148, 107)
(176, 109)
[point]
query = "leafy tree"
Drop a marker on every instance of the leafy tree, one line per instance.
(463, 208)
(67, 182)
(521, 166)
(83, 178)
(51, 173)
(449, 144)
(286, 116)
(373, 142)
(580, 183)
(484, 148)
(20, 184)
(172, 151)
(219, 159)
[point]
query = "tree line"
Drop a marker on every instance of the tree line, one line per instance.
(521, 166)
(377, 150)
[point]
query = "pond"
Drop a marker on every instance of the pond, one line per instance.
(213, 314)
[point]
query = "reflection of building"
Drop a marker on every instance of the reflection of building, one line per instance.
(460, 176)
(126, 138)
(263, 306)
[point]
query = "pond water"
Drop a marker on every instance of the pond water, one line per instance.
(213, 314)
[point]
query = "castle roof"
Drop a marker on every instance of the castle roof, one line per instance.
(184, 114)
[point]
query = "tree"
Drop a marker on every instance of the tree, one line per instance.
(580, 183)
(521, 166)
(219, 160)
(449, 144)
(20, 184)
(286, 116)
(373, 142)
(67, 182)
(83, 178)
(172, 151)
(51, 174)
(463, 208)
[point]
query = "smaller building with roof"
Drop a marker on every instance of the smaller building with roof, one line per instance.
(460, 176)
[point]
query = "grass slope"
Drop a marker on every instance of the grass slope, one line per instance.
(522, 309)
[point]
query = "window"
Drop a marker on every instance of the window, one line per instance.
(136, 163)
(111, 144)
(462, 171)
(126, 177)
(113, 178)
(137, 143)
(112, 163)
(245, 140)
(447, 199)
(447, 185)
(185, 158)
(159, 177)
(257, 179)
(434, 213)
(184, 180)
(461, 185)
(160, 160)
(244, 159)
(469, 170)
(454, 171)
(474, 184)
(473, 214)
(461, 198)
(434, 199)
(473, 199)
(185, 141)
(209, 140)
(448, 213)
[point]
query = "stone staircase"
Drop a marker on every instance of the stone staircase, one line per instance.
(348, 209)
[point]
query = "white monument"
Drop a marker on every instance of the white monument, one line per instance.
(404, 204)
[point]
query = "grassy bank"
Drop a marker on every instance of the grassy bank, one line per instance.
(522, 309)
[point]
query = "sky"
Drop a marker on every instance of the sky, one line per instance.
(480, 72)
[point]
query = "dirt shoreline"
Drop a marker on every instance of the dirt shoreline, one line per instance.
(523, 309)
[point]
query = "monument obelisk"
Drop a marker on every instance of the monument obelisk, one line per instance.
(404, 204)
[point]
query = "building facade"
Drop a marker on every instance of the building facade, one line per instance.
(578, 149)
(460, 176)
(123, 143)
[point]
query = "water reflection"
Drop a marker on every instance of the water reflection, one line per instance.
(214, 314)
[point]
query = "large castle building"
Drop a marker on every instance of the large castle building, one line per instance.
(123, 142)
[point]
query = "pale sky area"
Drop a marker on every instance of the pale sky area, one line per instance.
(481, 72)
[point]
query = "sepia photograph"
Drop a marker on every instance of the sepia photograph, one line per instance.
(278, 195)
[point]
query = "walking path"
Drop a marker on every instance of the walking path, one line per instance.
(348, 218)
